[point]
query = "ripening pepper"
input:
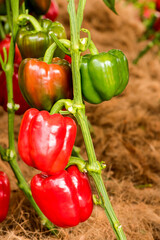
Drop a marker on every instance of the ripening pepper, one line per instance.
(39, 7)
(6, 43)
(103, 76)
(43, 84)
(17, 95)
(53, 11)
(4, 195)
(33, 44)
(45, 141)
(65, 198)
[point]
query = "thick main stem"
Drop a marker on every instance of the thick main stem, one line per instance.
(75, 54)
(93, 166)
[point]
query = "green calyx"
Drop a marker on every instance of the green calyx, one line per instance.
(103, 75)
(34, 38)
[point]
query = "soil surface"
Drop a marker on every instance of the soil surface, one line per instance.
(126, 135)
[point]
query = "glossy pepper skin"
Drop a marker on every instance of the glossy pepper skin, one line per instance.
(65, 198)
(45, 141)
(103, 76)
(53, 11)
(17, 95)
(39, 7)
(33, 44)
(43, 84)
(4, 195)
(6, 43)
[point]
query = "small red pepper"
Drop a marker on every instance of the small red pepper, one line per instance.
(4, 195)
(6, 43)
(45, 141)
(53, 11)
(17, 95)
(65, 198)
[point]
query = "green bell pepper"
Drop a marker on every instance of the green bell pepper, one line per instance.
(103, 75)
(33, 43)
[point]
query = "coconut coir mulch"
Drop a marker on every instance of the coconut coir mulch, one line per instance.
(126, 135)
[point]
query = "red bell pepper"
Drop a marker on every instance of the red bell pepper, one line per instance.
(6, 43)
(17, 96)
(4, 195)
(43, 84)
(65, 198)
(45, 141)
(53, 11)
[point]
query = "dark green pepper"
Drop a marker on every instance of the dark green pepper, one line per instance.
(33, 43)
(103, 75)
(39, 7)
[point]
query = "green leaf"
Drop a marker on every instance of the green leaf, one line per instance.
(111, 5)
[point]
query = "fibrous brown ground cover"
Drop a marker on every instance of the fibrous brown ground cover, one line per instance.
(126, 135)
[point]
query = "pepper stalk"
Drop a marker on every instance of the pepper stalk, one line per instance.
(94, 168)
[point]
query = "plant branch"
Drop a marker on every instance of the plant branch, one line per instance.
(80, 11)
(93, 166)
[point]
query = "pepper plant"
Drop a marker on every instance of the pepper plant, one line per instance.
(96, 77)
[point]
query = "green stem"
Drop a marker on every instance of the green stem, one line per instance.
(57, 106)
(2, 152)
(144, 51)
(93, 166)
(92, 48)
(59, 43)
(82, 120)
(8, 7)
(49, 53)
(79, 162)
(23, 8)
(80, 11)
(26, 17)
(75, 53)
(2, 32)
(107, 206)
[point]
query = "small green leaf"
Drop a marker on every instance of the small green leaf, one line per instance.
(111, 5)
